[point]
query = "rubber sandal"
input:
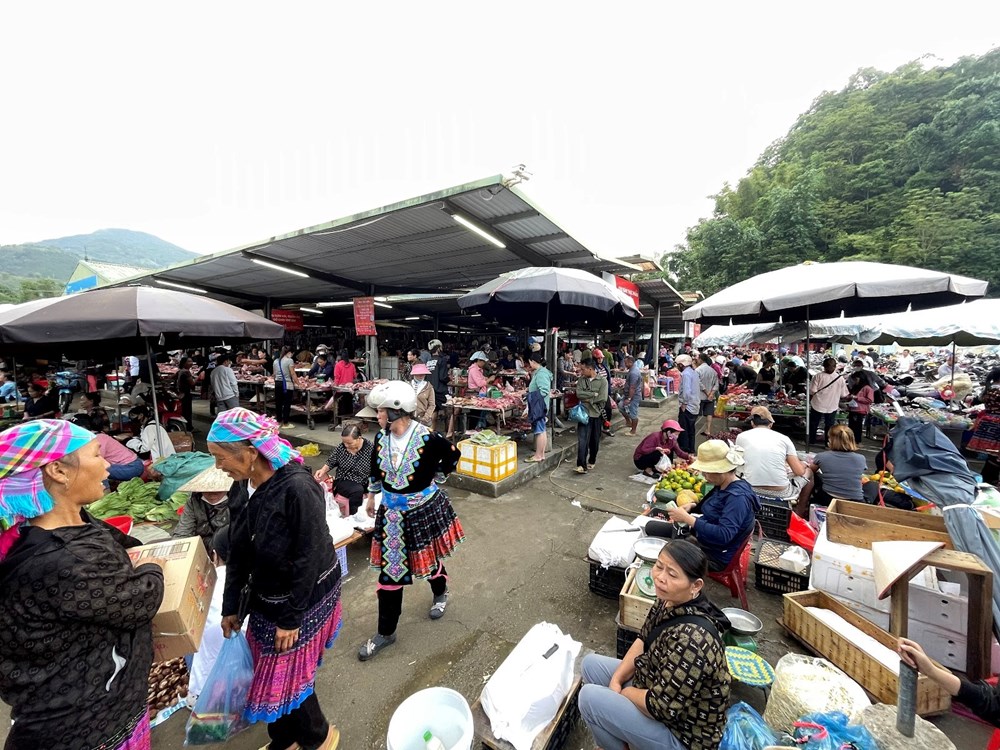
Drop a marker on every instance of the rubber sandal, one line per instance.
(533, 460)
(438, 608)
(375, 644)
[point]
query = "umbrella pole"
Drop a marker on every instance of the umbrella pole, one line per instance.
(954, 362)
(118, 363)
(549, 342)
(156, 411)
(808, 384)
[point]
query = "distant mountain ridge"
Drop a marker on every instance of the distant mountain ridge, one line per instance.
(57, 258)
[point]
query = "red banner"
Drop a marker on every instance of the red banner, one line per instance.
(290, 319)
(625, 286)
(364, 316)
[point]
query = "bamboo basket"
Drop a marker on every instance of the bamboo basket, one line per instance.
(632, 605)
(878, 680)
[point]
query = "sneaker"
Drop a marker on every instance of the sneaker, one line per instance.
(375, 644)
(590, 466)
(437, 609)
(580, 470)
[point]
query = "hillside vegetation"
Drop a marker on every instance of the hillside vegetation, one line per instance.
(900, 167)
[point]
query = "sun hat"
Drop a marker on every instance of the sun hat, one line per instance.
(683, 359)
(671, 424)
(717, 457)
(763, 412)
(598, 354)
(419, 369)
(210, 480)
(478, 356)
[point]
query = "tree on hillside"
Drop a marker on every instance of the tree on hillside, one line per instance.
(899, 167)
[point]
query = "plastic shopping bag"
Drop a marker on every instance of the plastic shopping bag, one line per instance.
(801, 533)
(218, 712)
(831, 731)
(746, 730)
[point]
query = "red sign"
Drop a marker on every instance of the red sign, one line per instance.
(364, 316)
(625, 286)
(290, 319)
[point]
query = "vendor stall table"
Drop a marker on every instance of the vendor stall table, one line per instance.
(259, 401)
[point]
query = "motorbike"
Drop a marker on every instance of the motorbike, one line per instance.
(68, 382)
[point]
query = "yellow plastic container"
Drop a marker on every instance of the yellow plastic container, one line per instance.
(489, 462)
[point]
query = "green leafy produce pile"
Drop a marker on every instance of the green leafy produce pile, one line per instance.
(488, 437)
(138, 499)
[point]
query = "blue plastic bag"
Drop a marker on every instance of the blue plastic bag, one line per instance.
(746, 730)
(218, 712)
(832, 731)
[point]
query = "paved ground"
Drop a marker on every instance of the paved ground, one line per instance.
(523, 562)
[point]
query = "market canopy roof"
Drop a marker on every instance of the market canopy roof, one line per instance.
(443, 244)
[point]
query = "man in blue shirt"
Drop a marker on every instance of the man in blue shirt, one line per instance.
(8, 389)
(689, 400)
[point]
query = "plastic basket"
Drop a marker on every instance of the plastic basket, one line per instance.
(624, 639)
(606, 582)
(769, 577)
(773, 517)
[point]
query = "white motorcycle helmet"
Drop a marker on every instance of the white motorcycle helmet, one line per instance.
(395, 396)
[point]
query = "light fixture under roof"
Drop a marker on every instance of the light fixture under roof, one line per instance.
(276, 267)
(183, 287)
(383, 304)
(311, 310)
(334, 304)
(478, 230)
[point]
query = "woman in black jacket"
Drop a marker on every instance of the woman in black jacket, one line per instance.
(75, 614)
(282, 570)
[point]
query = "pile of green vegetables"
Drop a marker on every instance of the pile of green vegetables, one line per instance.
(488, 437)
(138, 499)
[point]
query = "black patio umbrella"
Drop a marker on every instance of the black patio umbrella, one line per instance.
(550, 296)
(113, 320)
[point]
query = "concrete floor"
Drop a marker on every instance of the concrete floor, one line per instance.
(523, 562)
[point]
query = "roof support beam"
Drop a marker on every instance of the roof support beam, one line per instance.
(545, 238)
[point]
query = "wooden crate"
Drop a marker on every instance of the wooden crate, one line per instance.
(874, 677)
(489, 462)
(632, 605)
(859, 524)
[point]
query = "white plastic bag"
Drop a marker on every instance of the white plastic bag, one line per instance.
(612, 545)
(525, 692)
(665, 463)
(794, 559)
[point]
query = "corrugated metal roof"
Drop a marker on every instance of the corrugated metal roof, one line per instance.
(412, 246)
(112, 271)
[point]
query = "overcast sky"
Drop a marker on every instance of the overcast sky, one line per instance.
(216, 124)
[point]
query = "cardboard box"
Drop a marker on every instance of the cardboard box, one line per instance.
(490, 462)
(188, 582)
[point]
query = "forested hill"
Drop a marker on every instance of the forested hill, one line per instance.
(900, 167)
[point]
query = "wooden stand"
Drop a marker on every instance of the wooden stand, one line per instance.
(858, 525)
(551, 737)
(980, 633)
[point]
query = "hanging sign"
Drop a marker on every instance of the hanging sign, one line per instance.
(290, 319)
(364, 316)
(624, 286)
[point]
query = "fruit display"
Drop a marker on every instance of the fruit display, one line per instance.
(888, 481)
(679, 479)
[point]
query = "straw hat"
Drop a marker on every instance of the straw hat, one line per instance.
(717, 457)
(210, 480)
(895, 561)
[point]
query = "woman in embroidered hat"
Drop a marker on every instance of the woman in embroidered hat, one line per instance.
(415, 528)
(283, 572)
(76, 615)
(727, 514)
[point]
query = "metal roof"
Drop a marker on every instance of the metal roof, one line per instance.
(412, 247)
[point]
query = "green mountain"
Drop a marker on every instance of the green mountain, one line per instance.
(51, 262)
(900, 167)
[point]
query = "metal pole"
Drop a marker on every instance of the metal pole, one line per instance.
(117, 362)
(808, 431)
(655, 341)
(549, 342)
(954, 362)
(156, 411)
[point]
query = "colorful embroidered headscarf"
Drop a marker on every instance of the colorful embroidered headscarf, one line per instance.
(259, 429)
(24, 450)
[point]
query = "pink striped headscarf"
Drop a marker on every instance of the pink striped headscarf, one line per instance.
(24, 450)
(259, 429)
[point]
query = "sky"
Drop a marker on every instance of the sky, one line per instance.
(215, 125)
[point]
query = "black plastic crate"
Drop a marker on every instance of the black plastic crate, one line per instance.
(606, 582)
(565, 727)
(769, 577)
(625, 639)
(773, 517)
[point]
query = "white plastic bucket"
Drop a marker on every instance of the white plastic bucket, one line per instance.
(441, 710)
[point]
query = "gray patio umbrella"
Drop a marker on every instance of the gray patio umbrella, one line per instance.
(556, 296)
(111, 320)
(826, 290)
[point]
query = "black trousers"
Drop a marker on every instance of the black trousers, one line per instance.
(647, 461)
(856, 422)
(390, 601)
(588, 440)
(305, 725)
(283, 403)
(829, 420)
(187, 409)
(686, 439)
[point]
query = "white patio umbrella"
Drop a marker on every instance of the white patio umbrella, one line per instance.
(826, 290)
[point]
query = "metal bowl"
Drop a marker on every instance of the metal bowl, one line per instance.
(648, 548)
(743, 623)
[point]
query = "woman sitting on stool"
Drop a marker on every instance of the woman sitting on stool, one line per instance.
(672, 688)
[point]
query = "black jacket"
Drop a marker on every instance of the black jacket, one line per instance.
(201, 519)
(982, 699)
(439, 377)
(280, 545)
(77, 641)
